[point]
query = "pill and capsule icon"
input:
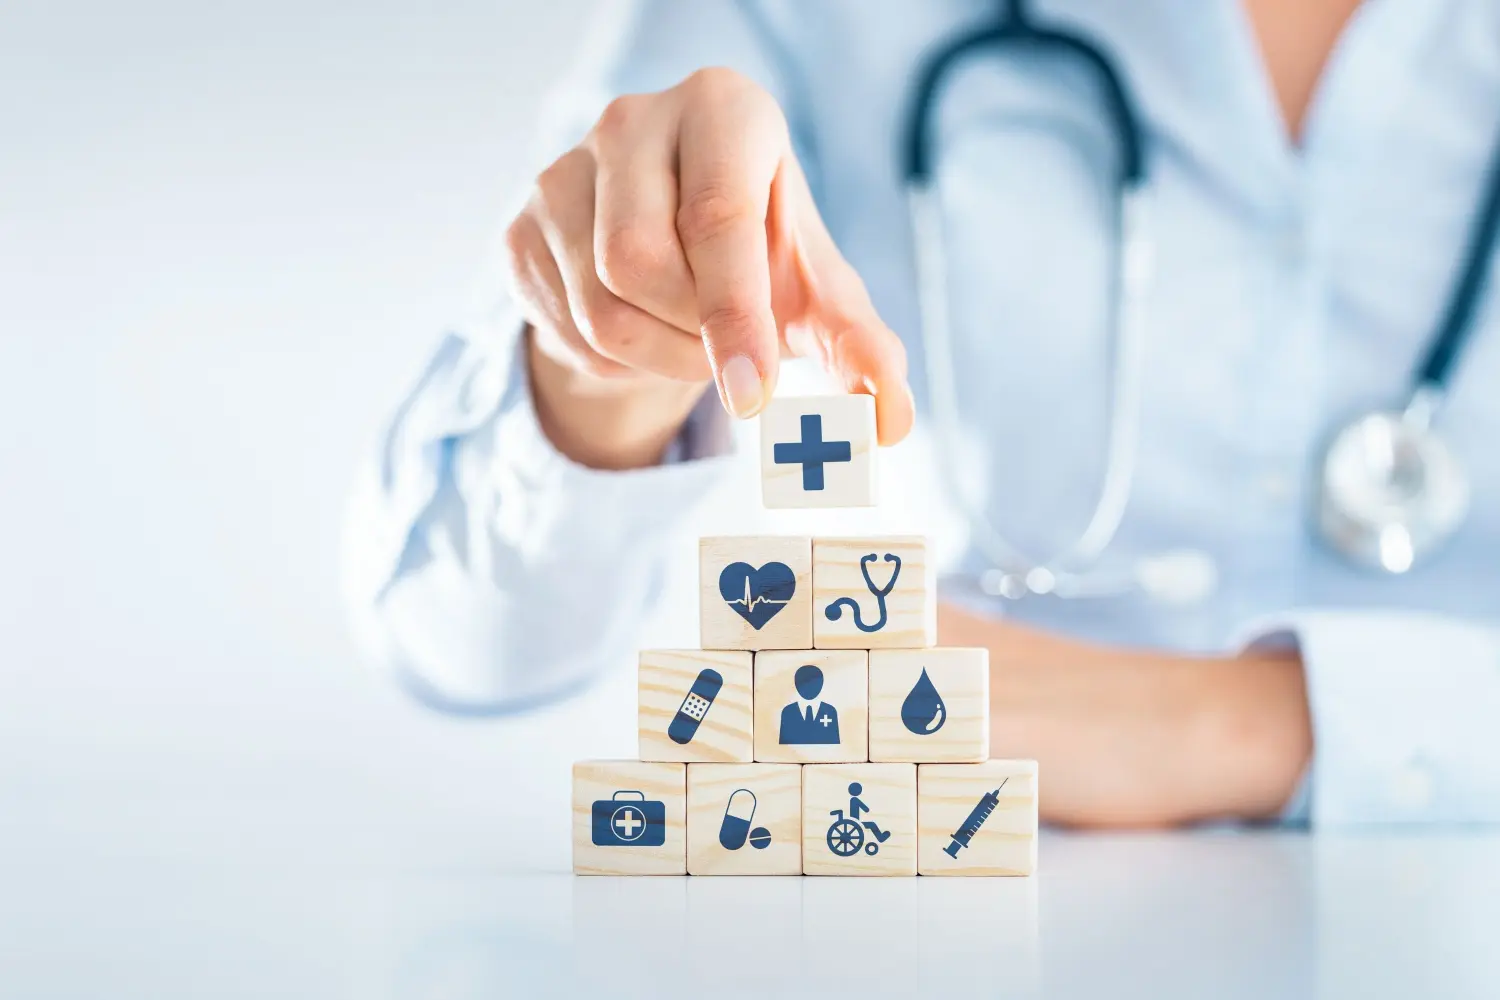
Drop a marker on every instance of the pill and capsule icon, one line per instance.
(735, 830)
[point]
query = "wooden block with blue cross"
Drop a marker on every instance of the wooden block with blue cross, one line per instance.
(818, 451)
(874, 592)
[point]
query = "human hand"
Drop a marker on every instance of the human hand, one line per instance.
(1138, 738)
(679, 243)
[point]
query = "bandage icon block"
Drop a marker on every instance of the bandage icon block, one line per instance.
(629, 818)
(977, 819)
(874, 593)
(859, 819)
(930, 705)
(695, 705)
(744, 819)
(818, 451)
(755, 592)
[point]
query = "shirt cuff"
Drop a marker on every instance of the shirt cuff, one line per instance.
(1403, 708)
(542, 497)
(476, 384)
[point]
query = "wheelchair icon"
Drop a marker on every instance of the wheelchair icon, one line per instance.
(846, 834)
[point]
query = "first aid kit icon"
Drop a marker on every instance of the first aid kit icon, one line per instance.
(629, 819)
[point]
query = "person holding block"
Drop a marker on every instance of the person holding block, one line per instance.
(1179, 334)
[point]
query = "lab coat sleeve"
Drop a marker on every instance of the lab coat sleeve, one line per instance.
(486, 570)
(1404, 709)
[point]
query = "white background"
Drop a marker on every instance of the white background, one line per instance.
(228, 236)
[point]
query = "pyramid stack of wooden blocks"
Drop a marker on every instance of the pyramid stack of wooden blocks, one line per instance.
(818, 730)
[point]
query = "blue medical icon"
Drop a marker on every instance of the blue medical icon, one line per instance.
(629, 819)
(756, 595)
(812, 452)
(695, 705)
(805, 722)
(735, 829)
(923, 711)
(977, 816)
(846, 836)
(835, 611)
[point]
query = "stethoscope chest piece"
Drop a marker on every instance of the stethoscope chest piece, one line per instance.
(1392, 492)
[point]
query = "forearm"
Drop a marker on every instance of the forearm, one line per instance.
(1130, 738)
(607, 423)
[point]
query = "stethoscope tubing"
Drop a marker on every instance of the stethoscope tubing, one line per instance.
(1130, 278)
(1353, 516)
(1127, 363)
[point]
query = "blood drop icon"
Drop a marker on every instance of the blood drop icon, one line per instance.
(923, 711)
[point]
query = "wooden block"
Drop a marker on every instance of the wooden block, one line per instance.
(874, 593)
(977, 819)
(831, 683)
(755, 592)
(695, 704)
(744, 819)
(818, 451)
(930, 705)
(836, 842)
(629, 818)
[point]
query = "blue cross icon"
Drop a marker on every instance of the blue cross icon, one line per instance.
(811, 452)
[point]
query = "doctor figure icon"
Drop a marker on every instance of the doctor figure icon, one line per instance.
(806, 720)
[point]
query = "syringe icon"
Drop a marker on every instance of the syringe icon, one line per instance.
(977, 816)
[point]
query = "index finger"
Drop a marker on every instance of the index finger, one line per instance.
(730, 143)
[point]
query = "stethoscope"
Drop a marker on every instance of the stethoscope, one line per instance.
(1390, 490)
(835, 611)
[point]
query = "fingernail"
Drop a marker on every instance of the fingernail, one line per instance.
(742, 386)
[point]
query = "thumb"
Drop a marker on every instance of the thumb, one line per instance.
(826, 313)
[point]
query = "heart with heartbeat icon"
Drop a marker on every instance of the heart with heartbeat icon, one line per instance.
(756, 595)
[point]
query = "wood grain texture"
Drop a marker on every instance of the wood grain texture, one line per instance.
(961, 677)
(845, 688)
(726, 732)
(720, 626)
(776, 808)
(845, 417)
(911, 605)
(890, 792)
(1005, 844)
(600, 781)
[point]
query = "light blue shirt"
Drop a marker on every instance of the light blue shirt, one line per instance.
(1292, 288)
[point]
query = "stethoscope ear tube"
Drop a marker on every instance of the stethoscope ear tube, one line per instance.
(1016, 30)
(1015, 575)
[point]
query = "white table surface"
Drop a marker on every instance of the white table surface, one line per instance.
(1209, 915)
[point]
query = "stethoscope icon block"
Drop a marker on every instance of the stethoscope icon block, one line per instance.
(874, 593)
